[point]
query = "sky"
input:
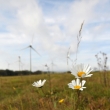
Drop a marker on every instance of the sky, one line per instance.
(51, 27)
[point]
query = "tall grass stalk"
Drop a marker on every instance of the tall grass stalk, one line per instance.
(78, 42)
(49, 78)
(102, 64)
(50, 92)
(99, 67)
(77, 46)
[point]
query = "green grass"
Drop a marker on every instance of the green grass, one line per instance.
(17, 93)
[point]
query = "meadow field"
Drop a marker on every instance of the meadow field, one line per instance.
(17, 93)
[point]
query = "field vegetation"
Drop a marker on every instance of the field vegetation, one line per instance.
(17, 93)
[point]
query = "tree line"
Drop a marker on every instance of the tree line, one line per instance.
(17, 73)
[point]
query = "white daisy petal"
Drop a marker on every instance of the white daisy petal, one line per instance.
(43, 82)
(39, 83)
(80, 84)
(83, 82)
(33, 84)
(73, 82)
(77, 77)
(89, 75)
(81, 89)
(71, 86)
(85, 67)
(77, 81)
(88, 69)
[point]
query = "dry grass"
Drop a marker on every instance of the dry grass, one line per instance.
(17, 93)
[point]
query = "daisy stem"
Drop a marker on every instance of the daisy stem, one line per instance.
(49, 78)
(42, 90)
(48, 99)
(105, 78)
(78, 99)
(49, 81)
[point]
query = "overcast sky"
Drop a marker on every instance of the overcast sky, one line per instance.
(51, 27)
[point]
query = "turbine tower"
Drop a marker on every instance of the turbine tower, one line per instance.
(53, 66)
(8, 65)
(31, 48)
(19, 62)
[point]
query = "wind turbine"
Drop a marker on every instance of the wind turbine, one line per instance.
(31, 48)
(22, 65)
(19, 61)
(52, 65)
(8, 65)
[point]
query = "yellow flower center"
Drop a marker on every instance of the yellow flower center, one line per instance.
(77, 87)
(81, 73)
(60, 101)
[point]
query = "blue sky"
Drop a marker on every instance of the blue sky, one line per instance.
(53, 25)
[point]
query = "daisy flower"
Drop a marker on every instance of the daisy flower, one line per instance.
(77, 84)
(39, 83)
(81, 71)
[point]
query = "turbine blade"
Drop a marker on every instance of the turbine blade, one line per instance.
(25, 48)
(32, 39)
(22, 63)
(14, 62)
(35, 51)
(53, 64)
(68, 54)
(68, 51)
